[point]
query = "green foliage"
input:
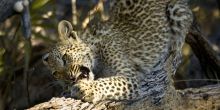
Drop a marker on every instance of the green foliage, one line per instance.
(43, 20)
(39, 3)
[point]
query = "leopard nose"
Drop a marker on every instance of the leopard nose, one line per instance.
(45, 58)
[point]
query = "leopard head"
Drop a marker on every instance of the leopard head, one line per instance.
(70, 58)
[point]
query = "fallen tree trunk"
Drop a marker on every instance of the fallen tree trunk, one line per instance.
(205, 98)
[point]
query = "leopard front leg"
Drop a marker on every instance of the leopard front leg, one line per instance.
(83, 90)
(112, 88)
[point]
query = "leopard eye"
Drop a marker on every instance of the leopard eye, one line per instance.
(84, 72)
(56, 74)
(64, 58)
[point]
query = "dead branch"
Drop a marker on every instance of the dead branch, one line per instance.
(208, 58)
(99, 8)
(74, 13)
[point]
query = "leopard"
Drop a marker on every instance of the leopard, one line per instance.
(130, 56)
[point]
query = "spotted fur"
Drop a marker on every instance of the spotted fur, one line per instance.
(131, 55)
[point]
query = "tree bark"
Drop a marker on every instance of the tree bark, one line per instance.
(6, 9)
(205, 98)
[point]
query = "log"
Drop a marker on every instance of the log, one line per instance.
(205, 98)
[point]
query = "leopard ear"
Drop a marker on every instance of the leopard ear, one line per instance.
(66, 32)
(64, 29)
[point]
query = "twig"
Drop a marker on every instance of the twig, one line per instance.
(74, 13)
(26, 66)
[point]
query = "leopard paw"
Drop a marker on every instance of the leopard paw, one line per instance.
(83, 91)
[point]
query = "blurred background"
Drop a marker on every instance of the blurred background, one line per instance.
(25, 81)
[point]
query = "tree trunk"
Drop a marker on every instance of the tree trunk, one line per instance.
(6, 9)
